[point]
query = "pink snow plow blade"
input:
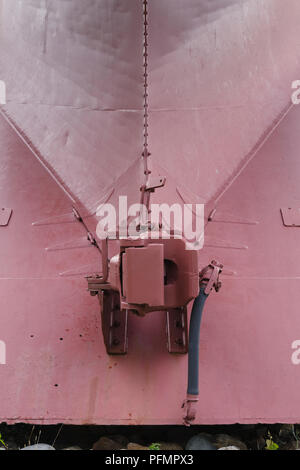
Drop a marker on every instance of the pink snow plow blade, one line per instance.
(222, 131)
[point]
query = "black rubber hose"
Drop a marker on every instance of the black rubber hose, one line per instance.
(194, 343)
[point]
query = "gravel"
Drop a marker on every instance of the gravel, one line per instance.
(177, 438)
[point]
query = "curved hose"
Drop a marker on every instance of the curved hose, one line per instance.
(209, 279)
(194, 340)
(193, 362)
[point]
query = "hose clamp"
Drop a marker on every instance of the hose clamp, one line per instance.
(209, 277)
(190, 409)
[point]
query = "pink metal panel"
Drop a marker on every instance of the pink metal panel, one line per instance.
(74, 86)
(214, 90)
(247, 331)
(143, 275)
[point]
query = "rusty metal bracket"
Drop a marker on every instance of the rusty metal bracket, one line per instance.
(153, 184)
(5, 215)
(177, 332)
(114, 323)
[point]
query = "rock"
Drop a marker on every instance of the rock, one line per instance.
(134, 446)
(293, 445)
(39, 447)
(72, 448)
(224, 440)
(105, 443)
(229, 448)
(286, 432)
(200, 442)
(170, 446)
(122, 440)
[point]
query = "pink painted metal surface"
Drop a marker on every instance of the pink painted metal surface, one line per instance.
(220, 78)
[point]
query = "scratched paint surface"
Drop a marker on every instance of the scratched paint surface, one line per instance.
(74, 83)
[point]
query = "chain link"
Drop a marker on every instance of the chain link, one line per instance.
(145, 55)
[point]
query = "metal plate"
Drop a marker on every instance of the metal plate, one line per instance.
(177, 336)
(291, 216)
(5, 215)
(114, 323)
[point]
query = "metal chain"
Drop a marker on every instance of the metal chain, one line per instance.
(145, 54)
(145, 195)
